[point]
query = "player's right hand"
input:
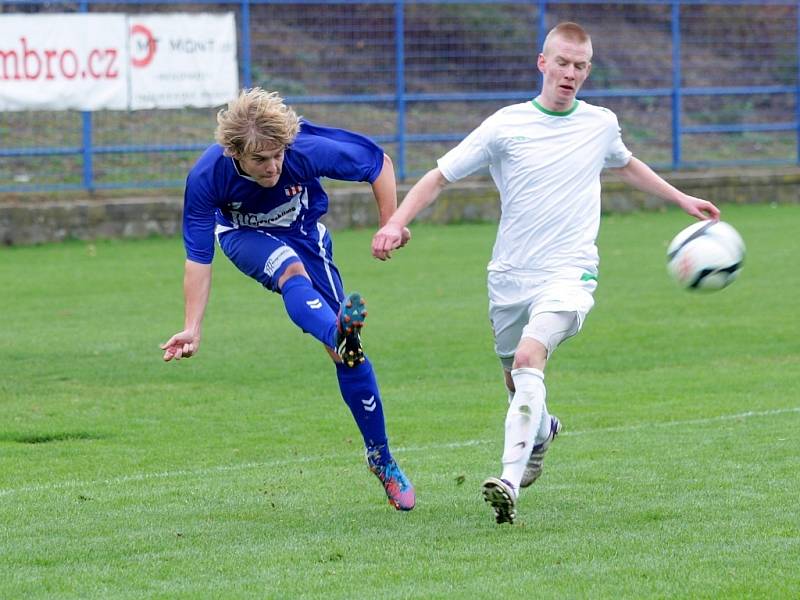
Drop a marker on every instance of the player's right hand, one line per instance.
(183, 344)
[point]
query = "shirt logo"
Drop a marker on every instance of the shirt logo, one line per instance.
(280, 216)
(292, 190)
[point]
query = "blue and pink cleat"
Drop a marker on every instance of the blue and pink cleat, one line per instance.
(398, 488)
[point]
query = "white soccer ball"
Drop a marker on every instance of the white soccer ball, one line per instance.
(706, 256)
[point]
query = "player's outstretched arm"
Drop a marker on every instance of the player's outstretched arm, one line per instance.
(385, 190)
(642, 177)
(196, 288)
(424, 192)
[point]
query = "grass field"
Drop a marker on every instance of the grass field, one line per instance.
(239, 473)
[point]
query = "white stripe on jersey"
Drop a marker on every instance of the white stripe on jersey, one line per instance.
(321, 230)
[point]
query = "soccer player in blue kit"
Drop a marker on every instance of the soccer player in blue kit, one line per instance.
(258, 191)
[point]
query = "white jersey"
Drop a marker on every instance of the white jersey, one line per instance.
(546, 167)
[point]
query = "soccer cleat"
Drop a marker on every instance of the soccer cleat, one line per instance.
(500, 494)
(534, 467)
(398, 488)
(350, 320)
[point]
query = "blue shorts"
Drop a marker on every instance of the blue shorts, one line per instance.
(265, 257)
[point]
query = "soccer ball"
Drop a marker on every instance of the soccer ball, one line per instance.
(706, 256)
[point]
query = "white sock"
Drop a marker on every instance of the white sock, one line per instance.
(523, 422)
(544, 427)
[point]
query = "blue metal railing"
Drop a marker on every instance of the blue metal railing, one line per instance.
(400, 97)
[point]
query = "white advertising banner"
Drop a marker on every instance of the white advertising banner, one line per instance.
(52, 62)
(183, 60)
(117, 61)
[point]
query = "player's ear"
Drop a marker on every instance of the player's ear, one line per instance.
(540, 62)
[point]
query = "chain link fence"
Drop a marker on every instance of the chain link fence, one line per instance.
(694, 84)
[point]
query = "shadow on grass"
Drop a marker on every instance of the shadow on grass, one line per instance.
(45, 438)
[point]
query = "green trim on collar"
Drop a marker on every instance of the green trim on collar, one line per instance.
(554, 113)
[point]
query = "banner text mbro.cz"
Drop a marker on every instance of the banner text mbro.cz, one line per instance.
(31, 63)
(116, 61)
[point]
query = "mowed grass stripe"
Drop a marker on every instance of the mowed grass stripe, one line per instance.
(304, 460)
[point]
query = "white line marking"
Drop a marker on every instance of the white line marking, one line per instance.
(297, 460)
(736, 417)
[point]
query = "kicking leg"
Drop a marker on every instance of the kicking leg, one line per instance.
(279, 268)
(309, 312)
(305, 307)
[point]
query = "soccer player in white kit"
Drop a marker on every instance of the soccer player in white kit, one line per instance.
(545, 157)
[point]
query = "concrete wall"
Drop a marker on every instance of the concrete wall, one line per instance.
(39, 221)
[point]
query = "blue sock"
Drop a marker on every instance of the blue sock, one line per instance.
(308, 310)
(360, 392)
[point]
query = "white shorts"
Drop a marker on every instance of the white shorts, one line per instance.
(549, 308)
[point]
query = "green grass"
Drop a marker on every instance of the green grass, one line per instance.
(239, 473)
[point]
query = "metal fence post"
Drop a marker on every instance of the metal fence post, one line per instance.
(86, 134)
(247, 63)
(677, 108)
(400, 86)
(86, 148)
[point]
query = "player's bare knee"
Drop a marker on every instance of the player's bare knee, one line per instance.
(530, 354)
(295, 268)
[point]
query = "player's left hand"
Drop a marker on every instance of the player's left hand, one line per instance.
(699, 208)
(388, 238)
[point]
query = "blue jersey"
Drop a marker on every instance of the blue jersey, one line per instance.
(219, 194)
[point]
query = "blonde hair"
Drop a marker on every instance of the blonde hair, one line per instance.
(255, 120)
(568, 31)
